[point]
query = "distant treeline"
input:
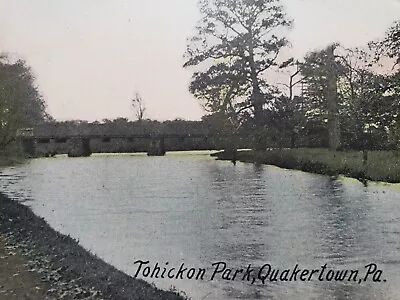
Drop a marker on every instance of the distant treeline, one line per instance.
(283, 128)
(121, 126)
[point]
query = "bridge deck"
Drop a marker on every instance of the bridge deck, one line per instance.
(120, 136)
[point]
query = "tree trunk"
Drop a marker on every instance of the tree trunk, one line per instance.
(256, 96)
(258, 107)
(332, 98)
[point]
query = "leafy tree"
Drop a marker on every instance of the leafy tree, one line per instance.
(286, 118)
(365, 100)
(321, 71)
(21, 104)
(106, 121)
(357, 92)
(390, 45)
(287, 112)
(369, 102)
(234, 45)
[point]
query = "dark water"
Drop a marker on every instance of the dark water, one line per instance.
(191, 209)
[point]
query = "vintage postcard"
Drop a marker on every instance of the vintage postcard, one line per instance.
(199, 149)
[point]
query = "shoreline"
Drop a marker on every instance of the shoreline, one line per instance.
(381, 166)
(8, 160)
(71, 271)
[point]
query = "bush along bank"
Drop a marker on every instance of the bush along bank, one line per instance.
(379, 165)
(10, 160)
(72, 271)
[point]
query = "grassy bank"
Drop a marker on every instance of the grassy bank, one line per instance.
(380, 166)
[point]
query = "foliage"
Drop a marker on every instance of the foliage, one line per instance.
(321, 71)
(21, 104)
(367, 102)
(389, 46)
(288, 117)
(234, 45)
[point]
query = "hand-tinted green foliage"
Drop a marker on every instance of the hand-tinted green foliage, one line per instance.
(344, 102)
(286, 119)
(21, 104)
(235, 43)
(315, 72)
(368, 101)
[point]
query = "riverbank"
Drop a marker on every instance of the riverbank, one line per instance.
(66, 270)
(381, 165)
(7, 160)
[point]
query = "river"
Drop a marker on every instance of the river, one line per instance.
(188, 208)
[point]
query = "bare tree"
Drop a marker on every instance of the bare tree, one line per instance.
(138, 106)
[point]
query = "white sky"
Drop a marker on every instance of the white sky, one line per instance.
(90, 56)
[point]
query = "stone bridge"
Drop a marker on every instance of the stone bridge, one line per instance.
(86, 144)
(155, 138)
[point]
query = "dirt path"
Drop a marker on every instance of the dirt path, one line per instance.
(16, 281)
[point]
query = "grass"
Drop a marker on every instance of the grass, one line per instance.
(381, 165)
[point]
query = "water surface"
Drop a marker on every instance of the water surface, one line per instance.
(191, 209)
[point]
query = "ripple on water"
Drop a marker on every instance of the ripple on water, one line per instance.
(192, 209)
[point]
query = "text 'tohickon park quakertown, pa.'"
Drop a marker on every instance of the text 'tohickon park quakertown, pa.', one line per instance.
(258, 275)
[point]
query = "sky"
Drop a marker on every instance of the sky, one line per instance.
(90, 57)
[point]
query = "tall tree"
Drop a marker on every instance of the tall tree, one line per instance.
(321, 71)
(21, 104)
(364, 102)
(389, 46)
(235, 43)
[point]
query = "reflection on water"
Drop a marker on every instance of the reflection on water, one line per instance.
(194, 210)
